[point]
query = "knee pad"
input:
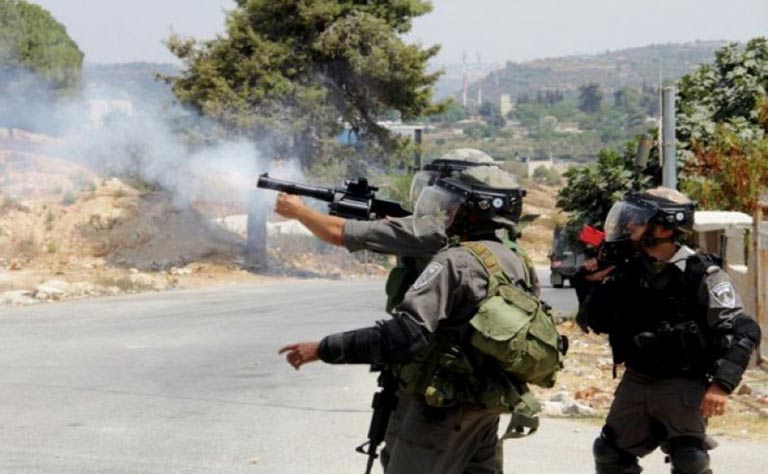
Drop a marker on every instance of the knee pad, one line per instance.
(689, 460)
(611, 460)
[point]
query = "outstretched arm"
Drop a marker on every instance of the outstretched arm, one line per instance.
(400, 338)
(327, 228)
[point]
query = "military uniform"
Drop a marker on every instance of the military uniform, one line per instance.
(392, 236)
(421, 438)
(677, 326)
(396, 237)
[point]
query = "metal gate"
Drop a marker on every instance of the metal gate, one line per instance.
(760, 247)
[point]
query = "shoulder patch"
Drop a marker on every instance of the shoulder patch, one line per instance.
(724, 294)
(427, 275)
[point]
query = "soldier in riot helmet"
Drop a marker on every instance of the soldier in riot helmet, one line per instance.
(676, 323)
(395, 236)
(444, 429)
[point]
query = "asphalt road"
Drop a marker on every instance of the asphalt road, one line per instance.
(190, 382)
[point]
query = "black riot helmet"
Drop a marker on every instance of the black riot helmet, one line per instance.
(663, 206)
(477, 200)
(627, 225)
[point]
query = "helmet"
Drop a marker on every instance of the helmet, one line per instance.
(662, 206)
(469, 155)
(627, 223)
(491, 195)
(450, 164)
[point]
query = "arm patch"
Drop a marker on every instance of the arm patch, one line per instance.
(724, 294)
(427, 275)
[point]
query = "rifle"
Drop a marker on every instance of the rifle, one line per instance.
(356, 200)
(384, 402)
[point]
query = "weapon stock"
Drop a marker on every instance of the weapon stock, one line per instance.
(356, 200)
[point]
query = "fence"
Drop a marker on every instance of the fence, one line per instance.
(760, 246)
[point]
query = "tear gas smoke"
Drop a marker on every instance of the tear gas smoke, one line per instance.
(123, 135)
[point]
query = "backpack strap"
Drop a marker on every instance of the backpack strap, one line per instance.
(524, 416)
(490, 263)
(527, 262)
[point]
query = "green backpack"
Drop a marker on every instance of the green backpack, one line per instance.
(514, 326)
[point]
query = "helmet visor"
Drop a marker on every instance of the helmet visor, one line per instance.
(624, 219)
(435, 211)
(421, 180)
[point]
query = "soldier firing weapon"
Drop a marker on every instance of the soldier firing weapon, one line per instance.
(355, 200)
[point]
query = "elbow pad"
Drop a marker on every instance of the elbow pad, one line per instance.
(402, 338)
(390, 341)
(735, 359)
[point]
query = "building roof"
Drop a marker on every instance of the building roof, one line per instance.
(705, 221)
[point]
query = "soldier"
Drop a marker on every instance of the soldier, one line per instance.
(451, 427)
(675, 321)
(396, 236)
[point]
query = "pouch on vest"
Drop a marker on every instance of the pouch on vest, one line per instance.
(514, 327)
(400, 278)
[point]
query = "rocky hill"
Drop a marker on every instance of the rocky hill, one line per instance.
(611, 69)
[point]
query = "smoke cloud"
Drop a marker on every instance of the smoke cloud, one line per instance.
(119, 133)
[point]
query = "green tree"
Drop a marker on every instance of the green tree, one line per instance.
(590, 98)
(39, 62)
(722, 126)
(491, 114)
(729, 172)
(725, 93)
(547, 175)
(297, 71)
(454, 112)
(592, 189)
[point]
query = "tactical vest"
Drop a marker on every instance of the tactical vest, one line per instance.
(511, 340)
(408, 269)
(661, 328)
(401, 277)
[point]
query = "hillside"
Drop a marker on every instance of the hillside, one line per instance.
(612, 69)
(130, 80)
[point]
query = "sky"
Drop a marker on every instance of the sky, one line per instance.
(111, 31)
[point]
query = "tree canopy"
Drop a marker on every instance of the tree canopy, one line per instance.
(590, 98)
(39, 62)
(726, 92)
(296, 72)
(31, 40)
(723, 125)
(592, 189)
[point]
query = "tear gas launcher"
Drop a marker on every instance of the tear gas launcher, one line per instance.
(355, 200)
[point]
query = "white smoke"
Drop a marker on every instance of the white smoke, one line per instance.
(121, 135)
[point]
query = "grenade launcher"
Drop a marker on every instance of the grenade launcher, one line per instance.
(356, 200)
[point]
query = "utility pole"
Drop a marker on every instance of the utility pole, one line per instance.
(464, 79)
(417, 133)
(669, 144)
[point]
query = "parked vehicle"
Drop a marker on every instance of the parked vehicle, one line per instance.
(565, 259)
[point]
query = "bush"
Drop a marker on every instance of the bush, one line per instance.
(547, 175)
(69, 198)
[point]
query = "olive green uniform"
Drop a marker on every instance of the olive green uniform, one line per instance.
(422, 439)
(459, 439)
(396, 237)
(391, 236)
